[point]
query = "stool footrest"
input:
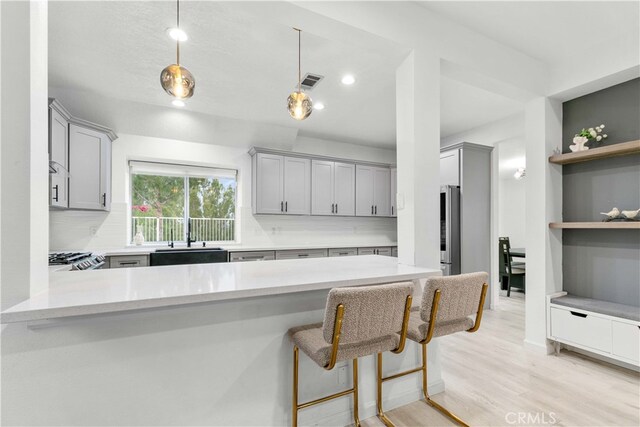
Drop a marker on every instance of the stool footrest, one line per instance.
(326, 398)
(401, 374)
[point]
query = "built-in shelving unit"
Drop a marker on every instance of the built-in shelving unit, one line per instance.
(627, 225)
(622, 149)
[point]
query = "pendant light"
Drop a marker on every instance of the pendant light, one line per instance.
(176, 80)
(299, 104)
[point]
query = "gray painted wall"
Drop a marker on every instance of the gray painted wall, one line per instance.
(602, 264)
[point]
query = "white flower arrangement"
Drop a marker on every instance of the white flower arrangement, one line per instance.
(585, 135)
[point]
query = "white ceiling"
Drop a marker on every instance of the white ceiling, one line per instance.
(243, 56)
(551, 31)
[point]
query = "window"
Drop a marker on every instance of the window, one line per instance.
(165, 197)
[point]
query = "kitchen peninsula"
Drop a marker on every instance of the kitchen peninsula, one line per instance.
(198, 341)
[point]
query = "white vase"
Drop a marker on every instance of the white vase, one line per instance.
(138, 239)
(578, 144)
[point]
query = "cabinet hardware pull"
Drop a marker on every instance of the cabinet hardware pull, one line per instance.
(128, 262)
(578, 314)
(302, 255)
(371, 209)
(332, 208)
(281, 206)
(55, 198)
(347, 253)
(336, 208)
(376, 209)
(104, 199)
(286, 206)
(391, 210)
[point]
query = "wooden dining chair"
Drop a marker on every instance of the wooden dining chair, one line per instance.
(512, 274)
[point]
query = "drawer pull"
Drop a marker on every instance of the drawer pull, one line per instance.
(573, 313)
(129, 262)
(303, 255)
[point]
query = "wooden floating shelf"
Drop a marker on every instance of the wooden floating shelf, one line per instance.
(614, 150)
(627, 225)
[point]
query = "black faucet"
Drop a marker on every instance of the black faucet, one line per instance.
(170, 244)
(189, 241)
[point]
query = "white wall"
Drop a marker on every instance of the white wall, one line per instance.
(511, 192)
(73, 230)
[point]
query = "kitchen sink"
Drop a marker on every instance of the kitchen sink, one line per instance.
(187, 256)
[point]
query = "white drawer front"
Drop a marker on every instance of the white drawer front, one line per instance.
(626, 340)
(343, 252)
(366, 251)
(590, 331)
(252, 256)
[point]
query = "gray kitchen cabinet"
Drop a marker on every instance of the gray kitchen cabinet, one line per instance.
(128, 261)
(282, 185)
(89, 168)
(333, 188)
(301, 253)
(394, 192)
(343, 252)
(450, 167)
(373, 191)
(252, 256)
(381, 250)
(58, 155)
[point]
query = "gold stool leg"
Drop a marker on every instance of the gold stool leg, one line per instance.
(356, 418)
(433, 404)
(381, 414)
(294, 415)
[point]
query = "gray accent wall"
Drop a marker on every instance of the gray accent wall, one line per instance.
(602, 264)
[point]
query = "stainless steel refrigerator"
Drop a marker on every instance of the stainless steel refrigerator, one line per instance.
(450, 229)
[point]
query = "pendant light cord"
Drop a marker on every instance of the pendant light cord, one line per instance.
(178, 26)
(299, 61)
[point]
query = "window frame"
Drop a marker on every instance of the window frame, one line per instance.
(207, 172)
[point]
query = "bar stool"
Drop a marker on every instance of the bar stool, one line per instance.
(447, 303)
(358, 321)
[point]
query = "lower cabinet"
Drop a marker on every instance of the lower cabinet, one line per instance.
(386, 251)
(128, 261)
(298, 254)
(252, 256)
(609, 336)
(343, 252)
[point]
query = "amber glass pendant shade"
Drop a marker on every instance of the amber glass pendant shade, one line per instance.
(177, 81)
(299, 105)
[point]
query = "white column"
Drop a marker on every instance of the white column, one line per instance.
(543, 125)
(24, 224)
(418, 158)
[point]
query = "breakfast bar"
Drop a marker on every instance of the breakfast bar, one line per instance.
(191, 344)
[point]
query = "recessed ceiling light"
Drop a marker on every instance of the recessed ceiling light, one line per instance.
(318, 106)
(177, 34)
(348, 79)
(178, 103)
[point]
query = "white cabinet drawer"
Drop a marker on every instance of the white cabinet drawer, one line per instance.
(311, 253)
(252, 256)
(366, 251)
(343, 252)
(625, 340)
(587, 330)
(128, 261)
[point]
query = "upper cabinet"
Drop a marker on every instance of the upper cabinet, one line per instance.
(282, 185)
(450, 167)
(394, 192)
(373, 191)
(334, 186)
(80, 155)
(298, 184)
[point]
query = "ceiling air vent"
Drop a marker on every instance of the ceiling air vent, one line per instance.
(309, 81)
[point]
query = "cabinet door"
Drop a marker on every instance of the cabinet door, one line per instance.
(345, 189)
(87, 168)
(394, 191)
(322, 194)
(269, 184)
(450, 168)
(59, 153)
(297, 186)
(364, 190)
(382, 192)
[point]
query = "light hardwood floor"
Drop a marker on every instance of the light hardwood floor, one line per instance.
(490, 378)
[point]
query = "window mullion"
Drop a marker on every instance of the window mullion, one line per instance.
(186, 207)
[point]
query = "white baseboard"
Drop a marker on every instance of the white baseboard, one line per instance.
(537, 347)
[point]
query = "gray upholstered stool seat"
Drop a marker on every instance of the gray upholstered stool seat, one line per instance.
(310, 340)
(418, 328)
(358, 322)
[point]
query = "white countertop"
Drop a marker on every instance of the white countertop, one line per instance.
(76, 293)
(147, 249)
